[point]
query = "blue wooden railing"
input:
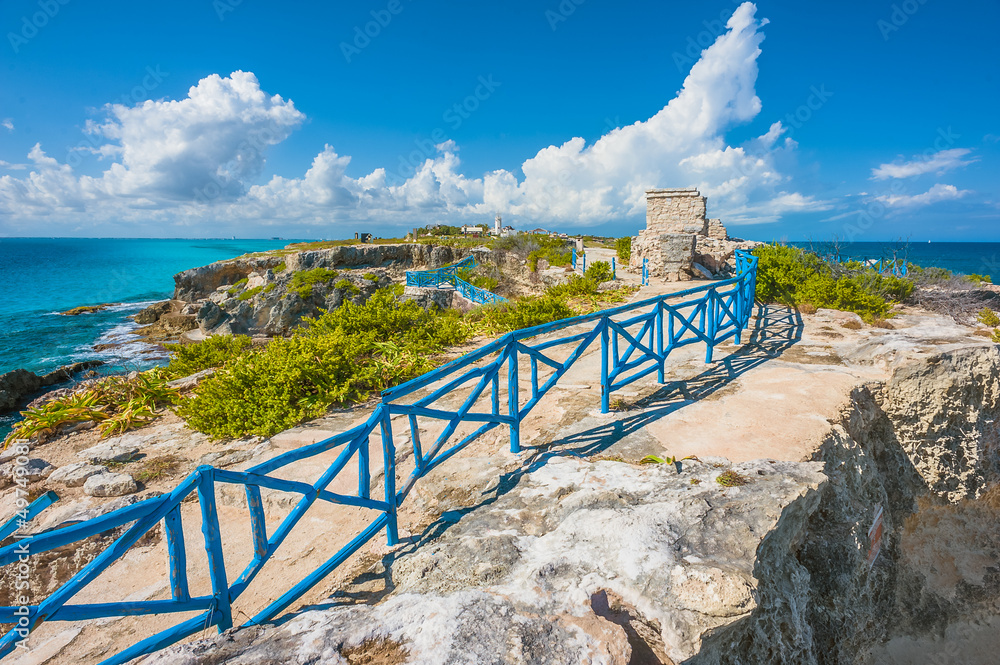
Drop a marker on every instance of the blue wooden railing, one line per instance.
(635, 340)
(447, 276)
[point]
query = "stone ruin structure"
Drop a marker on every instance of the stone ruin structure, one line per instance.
(679, 240)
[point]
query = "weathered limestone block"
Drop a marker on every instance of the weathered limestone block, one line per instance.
(670, 255)
(110, 452)
(676, 211)
(76, 474)
(717, 230)
(110, 484)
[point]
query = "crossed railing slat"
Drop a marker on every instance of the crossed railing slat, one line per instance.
(709, 314)
(447, 276)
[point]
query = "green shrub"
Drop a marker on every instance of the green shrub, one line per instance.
(279, 268)
(347, 285)
(250, 293)
(480, 281)
(303, 281)
(342, 356)
(370, 276)
(988, 317)
(599, 271)
(235, 288)
(215, 351)
(623, 247)
(979, 279)
(793, 277)
(517, 314)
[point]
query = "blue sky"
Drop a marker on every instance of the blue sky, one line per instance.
(242, 118)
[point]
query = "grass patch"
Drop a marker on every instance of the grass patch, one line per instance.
(158, 468)
(732, 479)
(303, 281)
(250, 293)
(370, 276)
(851, 325)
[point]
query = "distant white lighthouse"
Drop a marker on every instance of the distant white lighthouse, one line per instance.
(496, 225)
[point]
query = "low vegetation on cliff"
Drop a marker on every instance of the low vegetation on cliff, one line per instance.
(350, 353)
(796, 277)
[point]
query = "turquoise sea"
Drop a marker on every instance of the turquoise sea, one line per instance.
(40, 277)
(981, 258)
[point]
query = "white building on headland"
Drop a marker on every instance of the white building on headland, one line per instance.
(501, 231)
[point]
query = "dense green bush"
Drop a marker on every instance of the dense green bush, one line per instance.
(599, 271)
(303, 281)
(792, 276)
(215, 351)
(342, 356)
(517, 314)
(623, 247)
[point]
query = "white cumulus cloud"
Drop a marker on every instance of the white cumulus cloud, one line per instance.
(935, 194)
(203, 158)
(938, 162)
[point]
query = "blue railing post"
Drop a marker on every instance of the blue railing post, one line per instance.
(661, 370)
(584, 258)
(613, 268)
(364, 470)
(389, 468)
(513, 397)
(222, 613)
(711, 305)
(645, 272)
(574, 257)
(605, 382)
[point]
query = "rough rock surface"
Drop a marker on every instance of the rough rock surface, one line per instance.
(532, 577)
(75, 475)
(110, 452)
(18, 384)
(945, 414)
(110, 484)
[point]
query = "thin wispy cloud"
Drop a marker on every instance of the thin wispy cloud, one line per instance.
(938, 163)
(935, 194)
(7, 124)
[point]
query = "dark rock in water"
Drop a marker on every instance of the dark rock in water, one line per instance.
(152, 313)
(85, 309)
(15, 385)
(20, 383)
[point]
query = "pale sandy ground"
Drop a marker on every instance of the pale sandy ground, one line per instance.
(774, 396)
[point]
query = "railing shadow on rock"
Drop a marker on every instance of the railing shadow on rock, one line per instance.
(635, 341)
(447, 276)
